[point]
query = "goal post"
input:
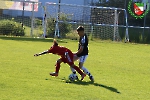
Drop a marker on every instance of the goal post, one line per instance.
(99, 22)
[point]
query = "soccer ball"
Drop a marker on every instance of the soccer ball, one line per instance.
(73, 77)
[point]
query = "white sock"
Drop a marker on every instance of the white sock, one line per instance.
(86, 71)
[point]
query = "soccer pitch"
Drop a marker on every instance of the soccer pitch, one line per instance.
(121, 71)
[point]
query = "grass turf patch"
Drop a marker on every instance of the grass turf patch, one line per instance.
(121, 71)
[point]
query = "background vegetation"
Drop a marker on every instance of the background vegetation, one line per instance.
(9, 27)
(12, 25)
(124, 4)
(135, 34)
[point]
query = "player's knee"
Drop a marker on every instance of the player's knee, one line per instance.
(75, 57)
(80, 65)
(59, 61)
(72, 66)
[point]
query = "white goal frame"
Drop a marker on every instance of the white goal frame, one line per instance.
(115, 25)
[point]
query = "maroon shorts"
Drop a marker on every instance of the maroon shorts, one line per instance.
(68, 58)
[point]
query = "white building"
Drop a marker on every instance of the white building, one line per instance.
(40, 11)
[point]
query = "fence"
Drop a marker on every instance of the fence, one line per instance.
(33, 24)
(26, 13)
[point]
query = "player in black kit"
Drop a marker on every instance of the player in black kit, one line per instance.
(82, 52)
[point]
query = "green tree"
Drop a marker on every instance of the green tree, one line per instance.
(64, 27)
(124, 4)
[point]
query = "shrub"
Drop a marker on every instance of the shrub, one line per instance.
(64, 27)
(9, 27)
(50, 27)
(137, 35)
(72, 35)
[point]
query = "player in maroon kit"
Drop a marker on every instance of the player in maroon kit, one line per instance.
(66, 57)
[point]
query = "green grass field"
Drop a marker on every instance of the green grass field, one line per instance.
(121, 71)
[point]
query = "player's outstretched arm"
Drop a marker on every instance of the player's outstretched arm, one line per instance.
(38, 54)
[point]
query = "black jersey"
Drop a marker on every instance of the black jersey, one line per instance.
(83, 41)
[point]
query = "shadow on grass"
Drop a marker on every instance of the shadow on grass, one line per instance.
(30, 39)
(95, 84)
(79, 82)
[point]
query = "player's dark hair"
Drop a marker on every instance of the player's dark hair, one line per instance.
(80, 28)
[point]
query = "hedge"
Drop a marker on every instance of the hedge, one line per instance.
(9, 27)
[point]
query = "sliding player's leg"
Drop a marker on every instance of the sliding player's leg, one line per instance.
(78, 70)
(57, 67)
(75, 58)
(82, 59)
(70, 62)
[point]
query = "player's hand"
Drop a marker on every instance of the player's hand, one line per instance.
(36, 55)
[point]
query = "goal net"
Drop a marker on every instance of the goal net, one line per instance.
(99, 22)
(21, 18)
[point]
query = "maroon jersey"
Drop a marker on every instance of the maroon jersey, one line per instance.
(58, 50)
(61, 51)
